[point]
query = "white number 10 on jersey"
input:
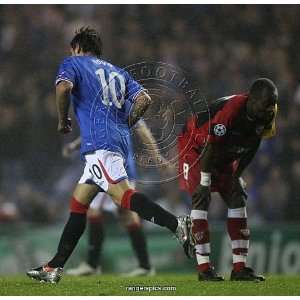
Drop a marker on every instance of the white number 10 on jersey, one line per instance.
(109, 89)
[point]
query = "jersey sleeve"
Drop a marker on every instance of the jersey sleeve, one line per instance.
(221, 122)
(133, 88)
(66, 72)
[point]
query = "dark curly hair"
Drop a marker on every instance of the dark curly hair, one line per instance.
(88, 40)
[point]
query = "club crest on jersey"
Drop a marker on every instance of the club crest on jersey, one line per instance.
(219, 129)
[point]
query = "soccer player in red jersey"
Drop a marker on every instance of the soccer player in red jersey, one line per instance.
(215, 147)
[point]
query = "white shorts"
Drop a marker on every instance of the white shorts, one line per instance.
(103, 168)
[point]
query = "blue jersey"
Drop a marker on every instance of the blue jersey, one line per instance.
(102, 96)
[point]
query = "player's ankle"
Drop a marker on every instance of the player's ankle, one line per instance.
(47, 268)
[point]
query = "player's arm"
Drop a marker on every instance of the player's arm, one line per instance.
(208, 157)
(69, 148)
(139, 107)
(201, 196)
(63, 92)
(148, 139)
(247, 158)
(238, 182)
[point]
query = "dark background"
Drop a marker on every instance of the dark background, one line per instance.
(222, 47)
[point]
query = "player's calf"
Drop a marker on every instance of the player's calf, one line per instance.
(239, 235)
(137, 238)
(72, 232)
(148, 210)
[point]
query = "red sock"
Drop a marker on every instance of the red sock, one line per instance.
(239, 235)
(201, 235)
(125, 202)
(77, 207)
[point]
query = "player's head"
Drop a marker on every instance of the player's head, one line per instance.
(263, 96)
(86, 41)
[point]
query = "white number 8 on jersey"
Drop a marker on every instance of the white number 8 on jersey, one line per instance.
(186, 168)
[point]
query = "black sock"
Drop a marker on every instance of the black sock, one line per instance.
(139, 245)
(152, 212)
(69, 239)
(96, 238)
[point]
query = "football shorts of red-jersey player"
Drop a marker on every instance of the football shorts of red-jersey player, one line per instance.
(190, 167)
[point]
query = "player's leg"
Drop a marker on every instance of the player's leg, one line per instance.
(132, 222)
(96, 236)
(201, 236)
(235, 198)
(237, 226)
(128, 198)
(109, 173)
(189, 178)
(200, 233)
(82, 196)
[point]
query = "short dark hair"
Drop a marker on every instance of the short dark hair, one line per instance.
(88, 40)
(264, 87)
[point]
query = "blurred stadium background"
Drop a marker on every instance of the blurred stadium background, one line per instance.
(222, 47)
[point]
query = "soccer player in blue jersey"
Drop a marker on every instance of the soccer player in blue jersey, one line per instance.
(107, 102)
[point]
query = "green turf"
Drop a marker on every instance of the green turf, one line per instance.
(113, 285)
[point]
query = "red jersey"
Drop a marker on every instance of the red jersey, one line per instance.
(224, 124)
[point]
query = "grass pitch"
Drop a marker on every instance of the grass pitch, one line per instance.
(109, 285)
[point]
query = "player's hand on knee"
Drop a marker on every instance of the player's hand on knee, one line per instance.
(64, 126)
(201, 197)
